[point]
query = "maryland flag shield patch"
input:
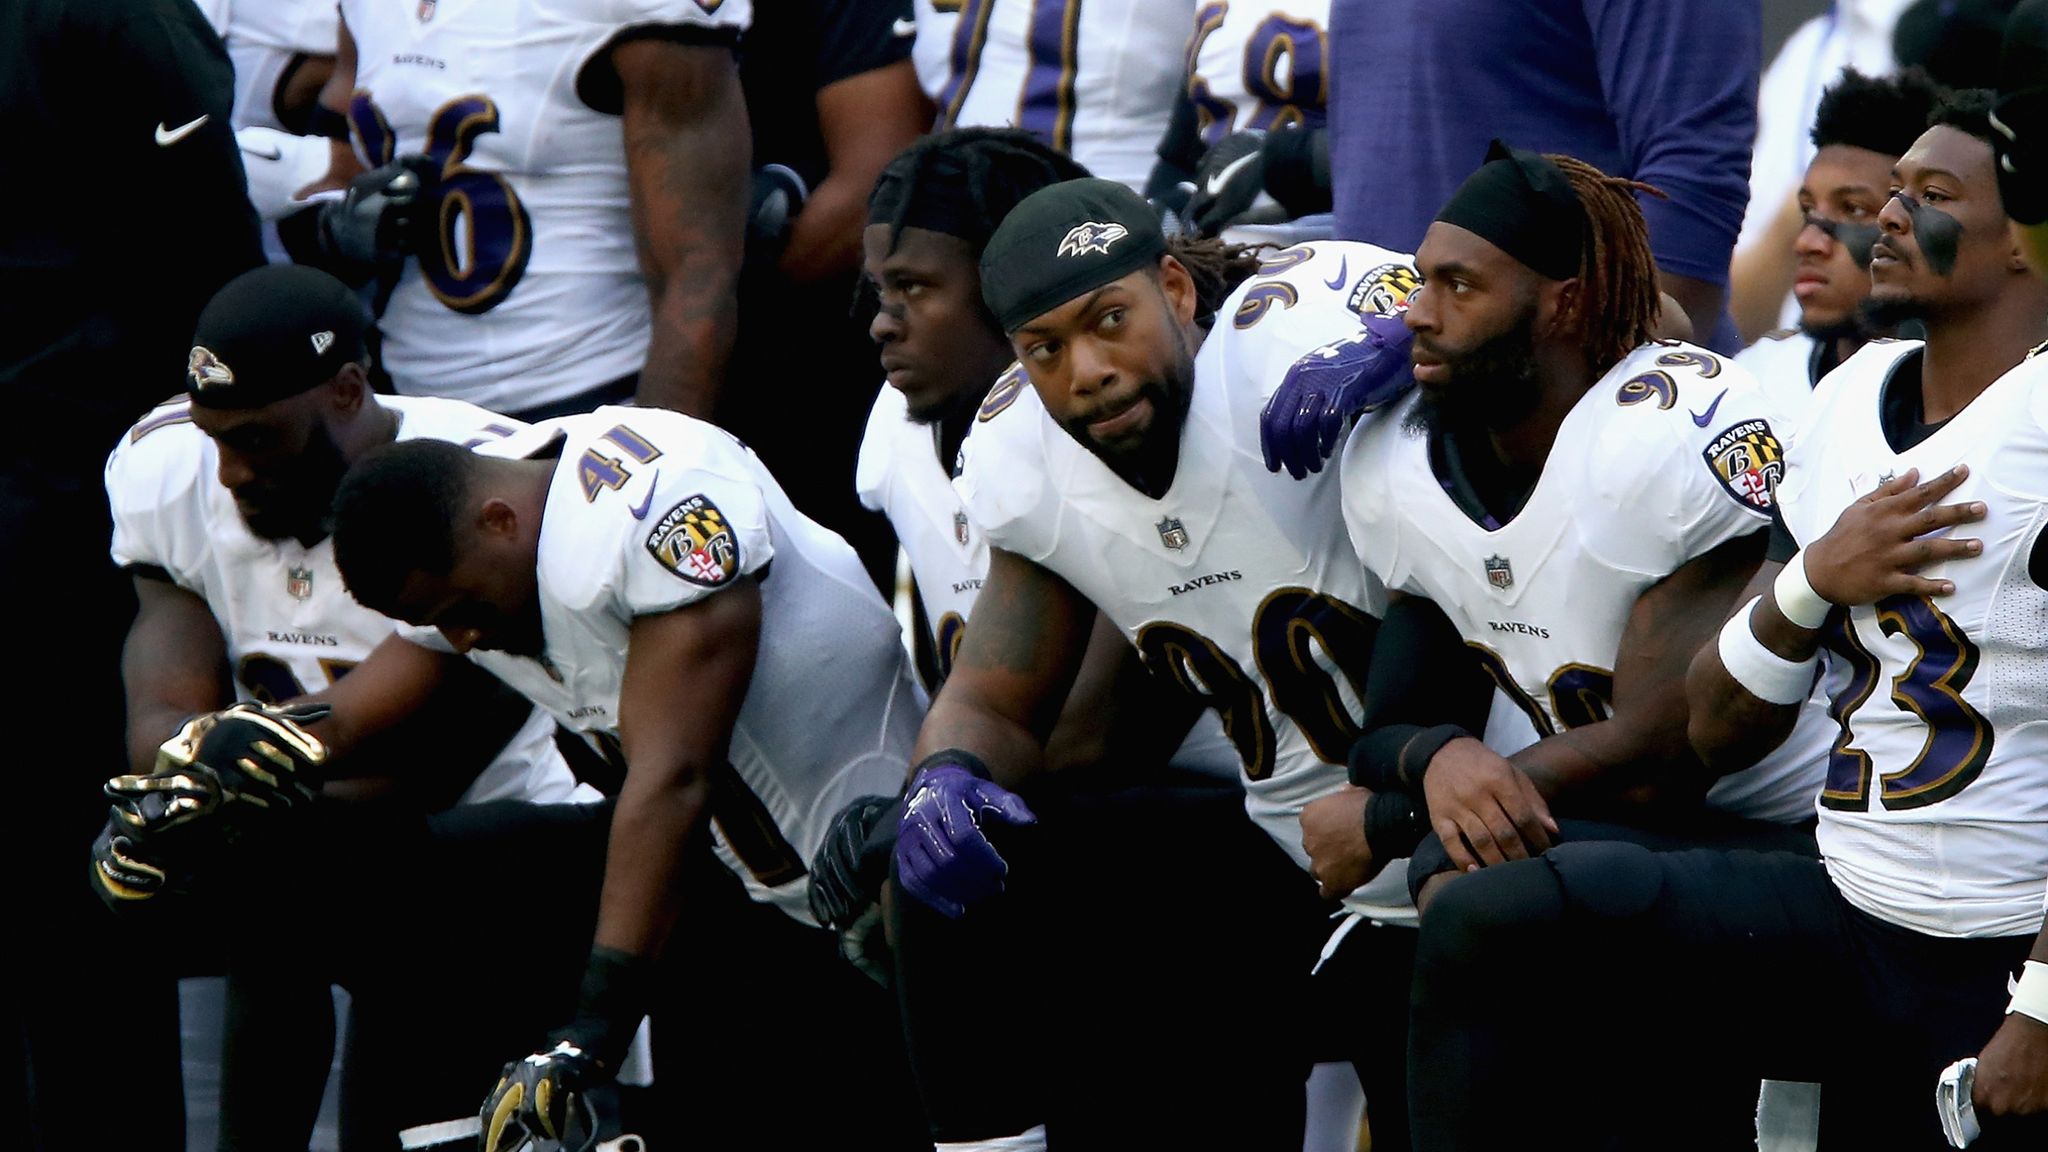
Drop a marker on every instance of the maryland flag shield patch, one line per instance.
(1748, 461)
(1385, 290)
(693, 541)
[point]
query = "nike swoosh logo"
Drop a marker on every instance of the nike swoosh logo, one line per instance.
(640, 513)
(1701, 418)
(1343, 265)
(275, 153)
(165, 137)
(904, 28)
(1222, 175)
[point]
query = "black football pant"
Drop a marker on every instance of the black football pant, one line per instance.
(460, 936)
(766, 1038)
(1142, 982)
(1608, 996)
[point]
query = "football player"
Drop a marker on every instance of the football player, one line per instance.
(1096, 80)
(544, 172)
(220, 503)
(1581, 500)
(1859, 131)
(1120, 472)
(1107, 799)
(615, 568)
(1909, 577)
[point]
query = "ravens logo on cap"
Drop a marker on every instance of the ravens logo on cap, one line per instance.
(206, 370)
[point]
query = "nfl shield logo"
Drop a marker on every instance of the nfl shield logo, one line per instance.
(1171, 533)
(298, 582)
(1499, 572)
(960, 527)
(426, 10)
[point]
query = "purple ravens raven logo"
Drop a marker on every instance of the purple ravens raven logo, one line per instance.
(207, 371)
(1093, 236)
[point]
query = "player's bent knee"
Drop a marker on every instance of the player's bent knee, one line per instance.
(1606, 879)
(1492, 912)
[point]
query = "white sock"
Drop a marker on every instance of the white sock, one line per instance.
(1335, 1104)
(1030, 1140)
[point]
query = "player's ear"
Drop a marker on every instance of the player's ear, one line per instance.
(351, 388)
(1557, 306)
(1178, 285)
(497, 520)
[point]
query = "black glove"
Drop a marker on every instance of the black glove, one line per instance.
(778, 196)
(851, 865)
(1230, 187)
(125, 874)
(2021, 121)
(543, 1097)
(1167, 190)
(376, 222)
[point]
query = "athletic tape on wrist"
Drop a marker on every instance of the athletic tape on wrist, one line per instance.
(958, 758)
(1763, 673)
(1796, 598)
(2030, 993)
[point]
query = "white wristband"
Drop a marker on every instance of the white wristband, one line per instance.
(2030, 993)
(1763, 673)
(1796, 598)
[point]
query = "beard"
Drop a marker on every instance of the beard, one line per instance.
(1152, 455)
(1492, 385)
(1887, 313)
(299, 504)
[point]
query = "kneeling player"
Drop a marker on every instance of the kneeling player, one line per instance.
(1120, 472)
(639, 575)
(220, 502)
(1874, 969)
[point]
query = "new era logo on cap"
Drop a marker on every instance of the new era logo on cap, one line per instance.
(322, 341)
(1093, 236)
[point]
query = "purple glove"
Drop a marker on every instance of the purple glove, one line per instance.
(942, 857)
(1326, 388)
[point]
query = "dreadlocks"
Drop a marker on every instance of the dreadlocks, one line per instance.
(969, 178)
(1617, 301)
(1217, 268)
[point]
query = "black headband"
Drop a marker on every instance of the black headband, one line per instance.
(950, 215)
(1064, 241)
(1522, 204)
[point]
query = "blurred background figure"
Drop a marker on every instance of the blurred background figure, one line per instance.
(831, 95)
(103, 268)
(1662, 93)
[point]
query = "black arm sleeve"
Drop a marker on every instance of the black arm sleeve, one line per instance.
(856, 36)
(1423, 681)
(1782, 546)
(1181, 148)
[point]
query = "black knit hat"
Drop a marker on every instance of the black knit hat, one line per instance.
(272, 333)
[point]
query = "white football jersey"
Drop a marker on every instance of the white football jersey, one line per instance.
(1787, 364)
(899, 475)
(1255, 67)
(1669, 455)
(650, 511)
(1238, 584)
(290, 625)
(1093, 78)
(263, 37)
(534, 293)
(1935, 813)
(932, 52)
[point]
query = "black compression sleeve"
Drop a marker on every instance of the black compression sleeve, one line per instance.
(1423, 679)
